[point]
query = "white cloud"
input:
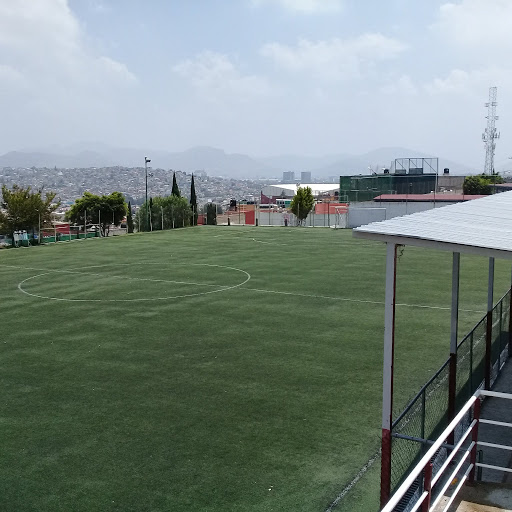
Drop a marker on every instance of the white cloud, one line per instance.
(44, 37)
(476, 24)
(471, 83)
(457, 81)
(216, 77)
(50, 76)
(335, 59)
(400, 85)
(9, 75)
(304, 6)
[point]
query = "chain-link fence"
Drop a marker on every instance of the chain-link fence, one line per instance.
(426, 416)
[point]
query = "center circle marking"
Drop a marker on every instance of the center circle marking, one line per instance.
(144, 299)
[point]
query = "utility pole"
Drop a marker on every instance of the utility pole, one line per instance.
(490, 134)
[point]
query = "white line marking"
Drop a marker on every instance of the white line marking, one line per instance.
(263, 242)
(221, 289)
(356, 479)
(346, 299)
(107, 276)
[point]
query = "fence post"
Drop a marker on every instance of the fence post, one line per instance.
(423, 413)
(471, 391)
(427, 486)
(501, 337)
(488, 333)
(510, 323)
(488, 349)
(474, 438)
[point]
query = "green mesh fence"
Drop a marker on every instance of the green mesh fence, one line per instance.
(423, 418)
(426, 416)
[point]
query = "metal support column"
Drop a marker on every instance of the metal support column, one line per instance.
(452, 383)
(488, 334)
(387, 388)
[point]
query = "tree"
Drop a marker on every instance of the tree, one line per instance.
(480, 184)
(302, 203)
(129, 218)
(211, 214)
(104, 210)
(175, 190)
(24, 210)
(169, 212)
(193, 201)
(151, 213)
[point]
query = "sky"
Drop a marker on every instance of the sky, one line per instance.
(260, 77)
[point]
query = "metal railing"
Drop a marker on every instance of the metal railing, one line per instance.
(426, 415)
(460, 462)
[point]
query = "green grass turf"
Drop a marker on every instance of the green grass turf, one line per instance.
(263, 395)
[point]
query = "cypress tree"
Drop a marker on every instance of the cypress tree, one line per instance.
(151, 213)
(129, 218)
(193, 201)
(211, 214)
(175, 190)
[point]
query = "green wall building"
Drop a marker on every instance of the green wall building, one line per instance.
(365, 188)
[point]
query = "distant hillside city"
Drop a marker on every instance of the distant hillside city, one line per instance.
(72, 183)
(219, 176)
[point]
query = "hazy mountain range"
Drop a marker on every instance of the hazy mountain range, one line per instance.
(217, 162)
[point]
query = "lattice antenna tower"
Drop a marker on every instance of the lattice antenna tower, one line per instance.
(490, 134)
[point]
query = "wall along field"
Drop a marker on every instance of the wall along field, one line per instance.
(215, 369)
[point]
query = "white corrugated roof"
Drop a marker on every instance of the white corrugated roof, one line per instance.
(291, 188)
(482, 226)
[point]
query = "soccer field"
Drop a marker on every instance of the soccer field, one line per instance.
(211, 368)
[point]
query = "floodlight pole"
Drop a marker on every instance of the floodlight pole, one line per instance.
(387, 387)
(146, 161)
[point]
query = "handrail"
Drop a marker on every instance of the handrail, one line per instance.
(426, 413)
(395, 499)
(425, 501)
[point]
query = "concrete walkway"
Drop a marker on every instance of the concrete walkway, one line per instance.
(482, 497)
(494, 492)
(497, 409)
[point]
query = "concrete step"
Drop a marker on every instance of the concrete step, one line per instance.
(482, 497)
